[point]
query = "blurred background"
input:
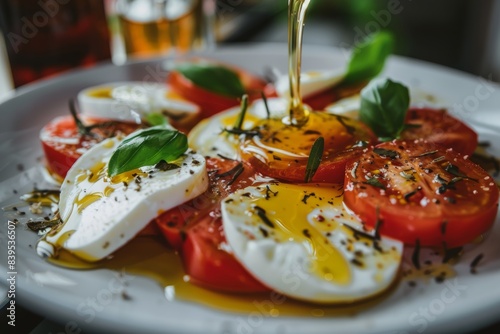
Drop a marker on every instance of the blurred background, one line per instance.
(460, 34)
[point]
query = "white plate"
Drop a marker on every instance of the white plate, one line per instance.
(461, 304)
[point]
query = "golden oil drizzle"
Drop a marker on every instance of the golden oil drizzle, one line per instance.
(282, 146)
(434, 264)
(149, 256)
(299, 114)
(101, 93)
(327, 261)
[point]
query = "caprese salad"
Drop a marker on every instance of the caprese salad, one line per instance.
(319, 213)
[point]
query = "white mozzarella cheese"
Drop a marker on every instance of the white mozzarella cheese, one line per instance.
(209, 139)
(311, 82)
(296, 240)
(132, 101)
(101, 214)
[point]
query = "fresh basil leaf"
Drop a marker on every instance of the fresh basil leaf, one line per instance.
(215, 78)
(375, 182)
(407, 176)
(368, 58)
(314, 159)
(386, 153)
(455, 171)
(243, 112)
(384, 104)
(146, 148)
(156, 119)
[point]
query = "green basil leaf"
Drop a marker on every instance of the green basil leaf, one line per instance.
(368, 58)
(156, 119)
(374, 182)
(214, 78)
(314, 159)
(243, 112)
(386, 153)
(384, 104)
(146, 148)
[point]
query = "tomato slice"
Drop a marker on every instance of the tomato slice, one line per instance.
(63, 145)
(212, 103)
(209, 264)
(195, 230)
(415, 190)
(281, 151)
(439, 127)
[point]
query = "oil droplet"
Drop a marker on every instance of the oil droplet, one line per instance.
(149, 256)
(100, 93)
(317, 312)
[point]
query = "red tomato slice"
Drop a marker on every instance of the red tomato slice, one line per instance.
(63, 145)
(439, 127)
(418, 191)
(174, 223)
(195, 230)
(209, 264)
(281, 151)
(212, 103)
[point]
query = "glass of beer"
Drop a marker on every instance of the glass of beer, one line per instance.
(44, 37)
(158, 27)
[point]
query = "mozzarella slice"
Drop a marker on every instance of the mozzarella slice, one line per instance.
(101, 214)
(348, 107)
(311, 82)
(296, 240)
(209, 139)
(131, 101)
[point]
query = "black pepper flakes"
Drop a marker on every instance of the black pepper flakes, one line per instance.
(444, 224)
(415, 258)
(262, 215)
(269, 191)
(165, 166)
(306, 233)
(264, 232)
(440, 278)
(377, 247)
(475, 262)
(450, 253)
(125, 296)
(357, 262)
(306, 197)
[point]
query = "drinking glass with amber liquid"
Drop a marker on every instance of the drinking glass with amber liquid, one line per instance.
(156, 27)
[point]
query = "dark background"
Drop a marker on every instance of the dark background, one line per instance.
(462, 34)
